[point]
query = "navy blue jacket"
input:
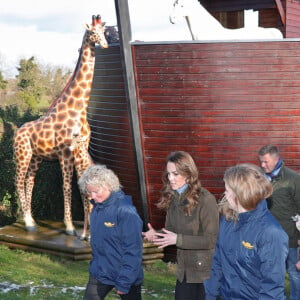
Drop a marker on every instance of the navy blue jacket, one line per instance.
(116, 241)
(249, 259)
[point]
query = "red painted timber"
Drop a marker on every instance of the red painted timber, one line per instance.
(219, 101)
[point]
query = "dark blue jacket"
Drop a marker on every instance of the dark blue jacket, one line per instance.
(249, 259)
(116, 241)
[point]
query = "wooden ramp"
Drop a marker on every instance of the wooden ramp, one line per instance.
(51, 238)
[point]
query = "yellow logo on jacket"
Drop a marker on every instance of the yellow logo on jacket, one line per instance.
(109, 224)
(247, 245)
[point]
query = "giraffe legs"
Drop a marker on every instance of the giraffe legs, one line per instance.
(82, 161)
(67, 166)
(86, 207)
(25, 174)
(29, 183)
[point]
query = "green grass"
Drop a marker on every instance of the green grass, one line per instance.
(39, 276)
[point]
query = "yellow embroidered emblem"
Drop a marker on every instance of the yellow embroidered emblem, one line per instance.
(109, 224)
(247, 245)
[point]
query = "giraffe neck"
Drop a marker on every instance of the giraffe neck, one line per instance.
(79, 87)
(82, 82)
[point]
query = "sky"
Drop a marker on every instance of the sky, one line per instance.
(52, 31)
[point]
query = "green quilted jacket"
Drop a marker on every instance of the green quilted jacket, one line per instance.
(196, 235)
(285, 202)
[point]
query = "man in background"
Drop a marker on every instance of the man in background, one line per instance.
(284, 204)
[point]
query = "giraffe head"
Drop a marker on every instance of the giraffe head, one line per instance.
(96, 32)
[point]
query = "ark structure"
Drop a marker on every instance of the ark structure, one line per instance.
(220, 101)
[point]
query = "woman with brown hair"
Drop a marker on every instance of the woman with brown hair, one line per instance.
(191, 224)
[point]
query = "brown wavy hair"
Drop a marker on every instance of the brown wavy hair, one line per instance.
(185, 166)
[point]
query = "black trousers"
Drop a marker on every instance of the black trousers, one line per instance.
(189, 291)
(95, 290)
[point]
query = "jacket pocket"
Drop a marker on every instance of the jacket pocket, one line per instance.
(199, 260)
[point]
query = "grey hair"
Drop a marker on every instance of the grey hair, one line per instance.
(99, 175)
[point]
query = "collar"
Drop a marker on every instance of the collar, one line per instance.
(256, 213)
(113, 197)
(182, 189)
(276, 170)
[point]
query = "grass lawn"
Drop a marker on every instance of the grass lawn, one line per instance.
(26, 275)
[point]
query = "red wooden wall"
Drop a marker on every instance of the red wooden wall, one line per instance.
(219, 101)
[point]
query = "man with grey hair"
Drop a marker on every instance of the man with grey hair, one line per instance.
(284, 204)
(116, 237)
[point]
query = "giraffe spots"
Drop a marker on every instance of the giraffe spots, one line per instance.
(61, 107)
(64, 132)
(40, 150)
(22, 130)
(89, 76)
(18, 138)
(48, 134)
(79, 76)
(34, 137)
(79, 105)
(61, 117)
(38, 127)
(47, 126)
(77, 93)
(57, 126)
(21, 158)
(66, 152)
(70, 123)
(86, 94)
(47, 120)
(71, 102)
(41, 143)
(83, 85)
(52, 117)
(72, 114)
(59, 141)
(49, 142)
(86, 53)
(85, 68)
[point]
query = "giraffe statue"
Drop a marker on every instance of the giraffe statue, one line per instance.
(51, 137)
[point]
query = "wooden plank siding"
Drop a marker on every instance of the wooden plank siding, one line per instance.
(234, 5)
(292, 19)
(271, 18)
(219, 101)
(111, 141)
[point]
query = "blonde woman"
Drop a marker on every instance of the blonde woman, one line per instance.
(250, 254)
(116, 237)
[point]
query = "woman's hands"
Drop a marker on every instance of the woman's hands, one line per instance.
(161, 239)
(165, 238)
(150, 234)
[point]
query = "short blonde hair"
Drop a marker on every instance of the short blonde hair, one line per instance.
(249, 185)
(99, 175)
